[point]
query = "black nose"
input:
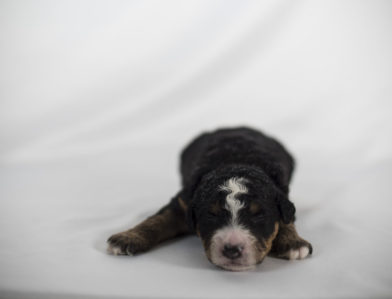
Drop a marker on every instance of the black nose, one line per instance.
(232, 251)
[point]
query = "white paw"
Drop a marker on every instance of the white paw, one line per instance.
(298, 254)
(115, 250)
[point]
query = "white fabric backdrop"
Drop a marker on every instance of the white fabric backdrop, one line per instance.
(97, 98)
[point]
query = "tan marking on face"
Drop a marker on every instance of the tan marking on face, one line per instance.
(272, 237)
(254, 208)
(262, 252)
(215, 208)
(183, 205)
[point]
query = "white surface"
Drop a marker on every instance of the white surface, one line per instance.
(97, 99)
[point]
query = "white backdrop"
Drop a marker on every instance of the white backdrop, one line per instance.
(97, 98)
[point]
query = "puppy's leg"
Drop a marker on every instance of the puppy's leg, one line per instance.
(168, 223)
(289, 245)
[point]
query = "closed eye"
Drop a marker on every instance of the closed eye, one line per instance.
(212, 214)
(258, 217)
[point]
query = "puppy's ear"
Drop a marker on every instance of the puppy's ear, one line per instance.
(191, 215)
(286, 208)
(191, 218)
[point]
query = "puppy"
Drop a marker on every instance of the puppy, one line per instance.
(234, 196)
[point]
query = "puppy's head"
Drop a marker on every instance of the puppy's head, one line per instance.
(237, 218)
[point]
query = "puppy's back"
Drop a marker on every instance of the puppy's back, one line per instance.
(241, 145)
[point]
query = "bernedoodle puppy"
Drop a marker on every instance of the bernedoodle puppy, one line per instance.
(234, 196)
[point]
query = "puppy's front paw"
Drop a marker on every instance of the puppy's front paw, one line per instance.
(292, 249)
(301, 252)
(126, 243)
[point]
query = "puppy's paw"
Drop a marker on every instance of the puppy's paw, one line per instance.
(126, 243)
(292, 249)
(299, 253)
(298, 250)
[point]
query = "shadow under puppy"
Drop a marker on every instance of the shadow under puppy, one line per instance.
(234, 196)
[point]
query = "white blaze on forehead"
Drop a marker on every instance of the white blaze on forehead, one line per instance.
(234, 186)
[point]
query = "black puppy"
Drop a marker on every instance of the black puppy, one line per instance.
(234, 196)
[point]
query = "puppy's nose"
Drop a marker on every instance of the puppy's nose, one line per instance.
(232, 251)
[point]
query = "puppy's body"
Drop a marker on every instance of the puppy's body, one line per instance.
(234, 196)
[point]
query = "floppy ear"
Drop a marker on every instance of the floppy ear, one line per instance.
(189, 192)
(191, 218)
(286, 208)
